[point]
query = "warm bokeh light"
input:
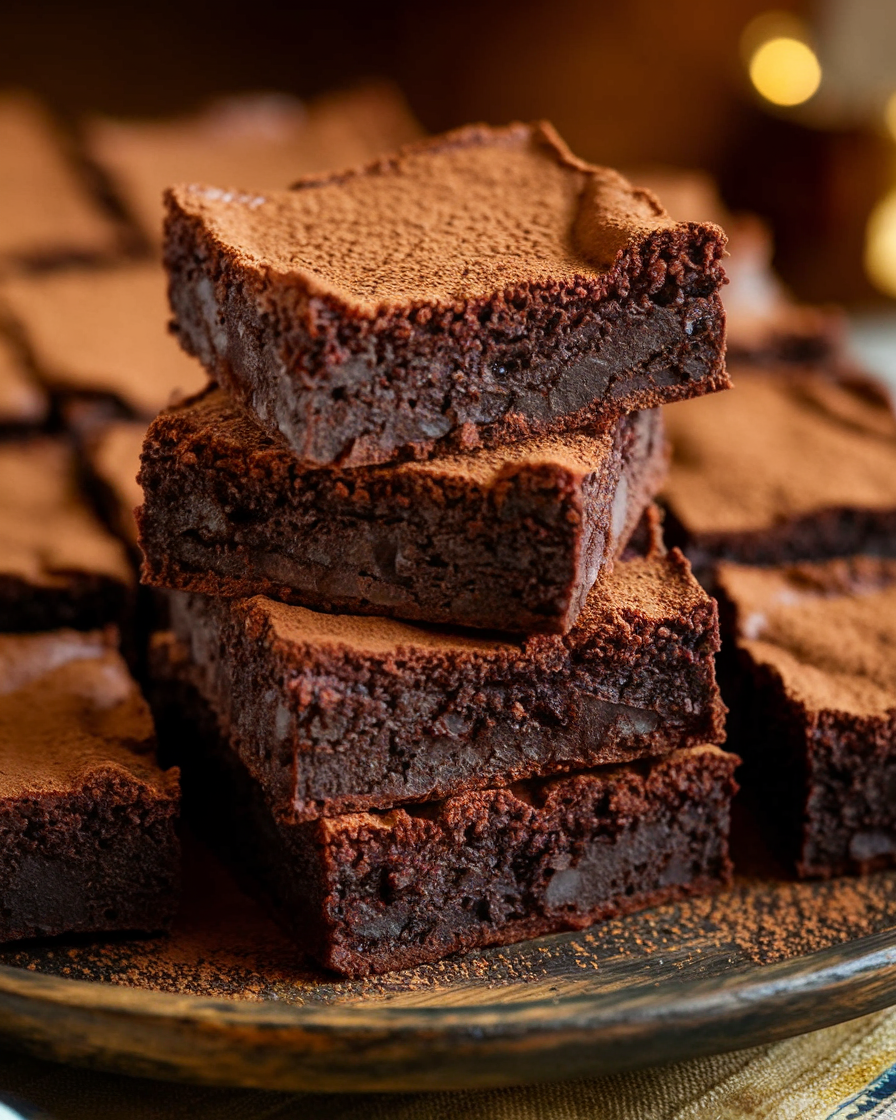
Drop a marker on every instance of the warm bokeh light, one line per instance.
(880, 245)
(890, 114)
(785, 71)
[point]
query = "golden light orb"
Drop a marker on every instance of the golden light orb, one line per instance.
(880, 245)
(785, 71)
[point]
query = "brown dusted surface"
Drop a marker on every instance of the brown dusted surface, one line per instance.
(565, 304)
(255, 142)
(49, 216)
(373, 712)
(113, 460)
(87, 837)
(58, 565)
(814, 709)
(510, 539)
(103, 332)
(784, 467)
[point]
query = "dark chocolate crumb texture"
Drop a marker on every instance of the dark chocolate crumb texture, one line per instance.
(479, 287)
(87, 817)
(509, 539)
(815, 709)
(369, 892)
(334, 713)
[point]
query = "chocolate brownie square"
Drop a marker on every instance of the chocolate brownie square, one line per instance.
(787, 466)
(101, 335)
(254, 141)
(814, 712)
(336, 713)
(368, 892)
(49, 214)
(477, 288)
(509, 539)
(87, 817)
(58, 565)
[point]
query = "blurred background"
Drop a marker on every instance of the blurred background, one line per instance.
(791, 109)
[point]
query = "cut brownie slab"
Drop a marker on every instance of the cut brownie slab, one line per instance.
(787, 466)
(336, 712)
(58, 565)
(258, 142)
(49, 216)
(101, 334)
(480, 287)
(369, 892)
(815, 710)
(87, 817)
(510, 539)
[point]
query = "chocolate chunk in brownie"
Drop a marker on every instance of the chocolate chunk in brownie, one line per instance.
(87, 817)
(23, 403)
(49, 214)
(481, 287)
(369, 892)
(253, 141)
(334, 713)
(58, 565)
(102, 334)
(784, 467)
(815, 708)
(112, 457)
(764, 323)
(509, 539)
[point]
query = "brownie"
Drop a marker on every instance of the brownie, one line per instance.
(254, 141)
(334, 713)
(112, 457)
(815, 710)
(368, 892)
(49, 215)
(87, 817)
(788, 466)
(58, 565)
(481, 287)
(764, 323)
(23, 404)
(101, 334)
(509, 539)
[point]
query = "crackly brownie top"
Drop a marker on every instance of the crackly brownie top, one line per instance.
(114, 456)
(104, 331)
(254, 141)
(47, 532)
(212, 427)
(656, 590)
(69, 711)
(828, 628)
(780, 446)
(459, 217)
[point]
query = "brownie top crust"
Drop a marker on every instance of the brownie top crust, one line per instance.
(780, 446)
(219, 430)
(103, 332)
(47, 532)
(453, 219)
(651, 589)
(70, 709)
(828, 629)
(22, 401)
(113, 455)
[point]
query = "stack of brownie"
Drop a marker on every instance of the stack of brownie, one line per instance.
(420, 697)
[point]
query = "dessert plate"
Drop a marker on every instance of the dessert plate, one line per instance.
(224, 999)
